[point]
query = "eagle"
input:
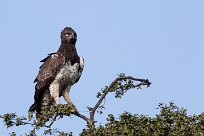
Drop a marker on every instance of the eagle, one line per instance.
(59, 71)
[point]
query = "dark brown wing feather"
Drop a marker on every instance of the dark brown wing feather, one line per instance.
(49, 69)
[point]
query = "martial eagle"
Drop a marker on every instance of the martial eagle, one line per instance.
(59, 71)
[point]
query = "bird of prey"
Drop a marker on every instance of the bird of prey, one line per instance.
(59, 71)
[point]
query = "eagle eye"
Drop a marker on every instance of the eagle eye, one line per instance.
(67, 34)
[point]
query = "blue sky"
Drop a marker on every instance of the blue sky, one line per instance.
(159, 40)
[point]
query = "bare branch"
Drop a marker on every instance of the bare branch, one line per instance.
(109, 89)
(89, 121)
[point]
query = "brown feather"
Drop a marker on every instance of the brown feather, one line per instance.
(47, 73)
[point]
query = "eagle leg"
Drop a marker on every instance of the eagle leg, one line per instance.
(65, 94)
(54, 92)
(46, 100)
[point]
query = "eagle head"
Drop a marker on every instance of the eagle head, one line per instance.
(68, 35)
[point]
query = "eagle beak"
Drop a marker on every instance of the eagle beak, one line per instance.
(74, 36)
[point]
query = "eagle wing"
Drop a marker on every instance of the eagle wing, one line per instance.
(81, 67)
(49, 69)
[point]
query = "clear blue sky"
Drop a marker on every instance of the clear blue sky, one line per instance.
(159, 40)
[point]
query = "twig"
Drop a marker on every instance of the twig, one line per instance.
(53, 120)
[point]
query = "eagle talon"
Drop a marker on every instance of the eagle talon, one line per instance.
(72, 107)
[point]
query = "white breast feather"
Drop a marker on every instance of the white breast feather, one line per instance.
(68, 73)
(66, 77)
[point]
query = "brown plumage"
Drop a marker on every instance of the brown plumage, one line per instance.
(58, 73)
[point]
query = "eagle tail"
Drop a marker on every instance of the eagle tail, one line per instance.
(34, 107)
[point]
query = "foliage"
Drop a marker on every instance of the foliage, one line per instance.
(171, 121)
(44, 120)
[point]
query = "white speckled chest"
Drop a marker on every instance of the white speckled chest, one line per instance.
(67, 75)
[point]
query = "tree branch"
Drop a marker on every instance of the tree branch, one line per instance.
(89, 121)
(109, 89)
